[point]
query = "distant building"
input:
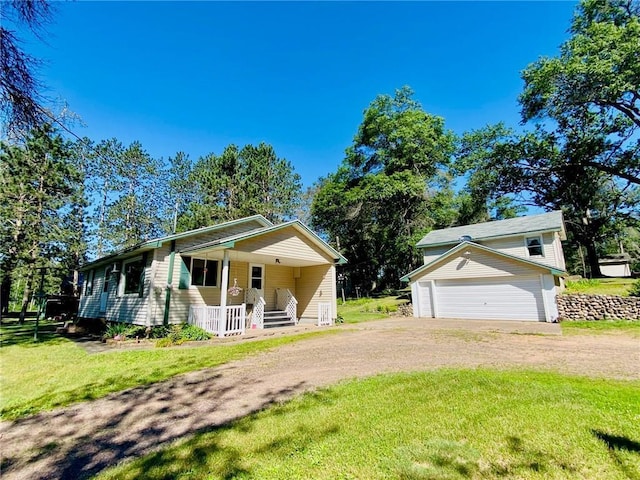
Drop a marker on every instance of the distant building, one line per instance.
(616, 265)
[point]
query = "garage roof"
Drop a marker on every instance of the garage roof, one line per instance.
(545, 222)
(463, 245)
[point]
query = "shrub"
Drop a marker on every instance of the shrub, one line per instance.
(116, 329)
(177, 334)
(634, 291)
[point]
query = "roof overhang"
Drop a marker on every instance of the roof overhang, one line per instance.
(495, 237)
(471, 245)
(222, 244)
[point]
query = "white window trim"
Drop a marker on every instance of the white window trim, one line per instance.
(90, 282)
(526, 245)
(219, 270)
(123, 277)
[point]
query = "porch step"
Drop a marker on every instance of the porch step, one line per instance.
(277, 318)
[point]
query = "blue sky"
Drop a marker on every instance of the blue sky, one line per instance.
(197, 76)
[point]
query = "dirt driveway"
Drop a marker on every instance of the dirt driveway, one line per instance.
(81, 440)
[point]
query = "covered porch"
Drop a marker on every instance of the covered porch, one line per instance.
(272, 280)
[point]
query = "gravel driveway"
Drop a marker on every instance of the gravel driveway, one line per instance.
(81, 440)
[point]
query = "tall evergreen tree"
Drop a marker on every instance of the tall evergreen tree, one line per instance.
(242, 182)
(41, 188)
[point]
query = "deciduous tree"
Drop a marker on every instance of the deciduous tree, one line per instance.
(390, 189)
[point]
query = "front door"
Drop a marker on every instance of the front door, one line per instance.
(104, 295)
(256, 278)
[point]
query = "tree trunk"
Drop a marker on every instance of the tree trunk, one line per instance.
(26, 295)
(592, 259)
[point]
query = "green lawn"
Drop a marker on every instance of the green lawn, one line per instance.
(629, 327)
(601, 286)
(56, 372)
(363, 309)
(447, 424)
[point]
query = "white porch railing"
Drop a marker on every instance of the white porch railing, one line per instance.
(287, 302)
(208, 318)
(324, 314)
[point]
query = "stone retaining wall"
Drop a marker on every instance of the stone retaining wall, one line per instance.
(598, 307)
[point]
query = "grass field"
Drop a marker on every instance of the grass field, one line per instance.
(629, 327)
(447, 424)
(56, 371)
(600, 286)
(363, 309)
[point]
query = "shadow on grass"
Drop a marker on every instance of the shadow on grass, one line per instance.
(615, 442)
(14, 333)
(136, 422)
(624, 452)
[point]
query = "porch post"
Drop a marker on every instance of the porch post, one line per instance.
(224, 285)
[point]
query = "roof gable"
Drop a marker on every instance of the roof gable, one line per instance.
(545, 222)
(301, 228)
(258, 220)
(453, 252)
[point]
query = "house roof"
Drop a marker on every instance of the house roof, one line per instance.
(464, 245)
(615, 259)
(545, 222)
(265, 227)
(230, 241)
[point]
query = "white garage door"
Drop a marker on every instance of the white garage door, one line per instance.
(501, 298)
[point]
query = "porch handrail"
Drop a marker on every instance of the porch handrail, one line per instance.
(287, 302)
(258, 313)
(251, 295)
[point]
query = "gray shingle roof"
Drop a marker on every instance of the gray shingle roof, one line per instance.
(544, 222)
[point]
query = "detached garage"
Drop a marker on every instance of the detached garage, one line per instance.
(477, 282)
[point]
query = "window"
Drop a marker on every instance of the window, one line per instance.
(534, 246)
(204, 273)
(88, 289)
(133, 276)
(256, 277)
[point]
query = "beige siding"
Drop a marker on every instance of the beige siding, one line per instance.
(516, 246)
(479, 264)
(277, 277)
(315, 284)
(181, 299)
(431, 253)
(284, 243)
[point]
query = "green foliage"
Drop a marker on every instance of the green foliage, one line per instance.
(116, 329)
(180, 333)
(128, 183)
(439, 425)
(602, 286)
(591, 327)
(582, 157)
(240, 183)
(388, 192)
(634, 291)
(364, 309)
(41, 201)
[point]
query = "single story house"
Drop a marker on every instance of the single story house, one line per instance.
(246, 273)
(503, 270)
